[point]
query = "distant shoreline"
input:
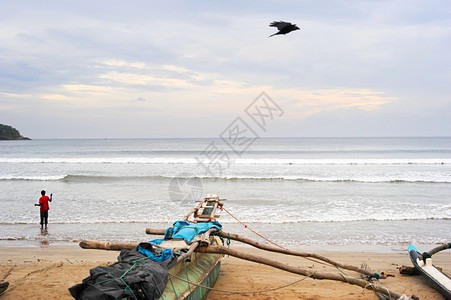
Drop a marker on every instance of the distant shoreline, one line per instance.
(16, 139)
(9, 133)
(209, 138)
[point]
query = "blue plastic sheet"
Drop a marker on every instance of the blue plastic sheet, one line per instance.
(166, 254)
(188, 231)
(180, 229)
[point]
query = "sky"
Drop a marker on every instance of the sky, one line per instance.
(155, 69)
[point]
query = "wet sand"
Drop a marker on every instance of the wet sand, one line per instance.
(47, 271)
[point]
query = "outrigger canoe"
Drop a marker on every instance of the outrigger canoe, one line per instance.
(440, 281)
(171, 268)
(194, 277)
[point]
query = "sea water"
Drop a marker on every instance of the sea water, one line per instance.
(293, 191)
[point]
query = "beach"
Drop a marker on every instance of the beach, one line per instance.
(47, 271)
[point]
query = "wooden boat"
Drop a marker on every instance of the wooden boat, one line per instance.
(440, 281)
(192, 277)
(3, 287)
(194, 272)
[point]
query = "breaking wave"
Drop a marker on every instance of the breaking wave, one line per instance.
(250, 161)
(90, 178)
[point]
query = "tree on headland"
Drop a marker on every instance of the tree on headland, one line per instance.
(10, 133)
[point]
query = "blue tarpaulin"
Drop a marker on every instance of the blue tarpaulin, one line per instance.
(166, 254)
(188, 231)
(182, 230)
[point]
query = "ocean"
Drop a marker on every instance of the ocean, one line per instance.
(296, 192)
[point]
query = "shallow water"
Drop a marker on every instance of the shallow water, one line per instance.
(305, 191)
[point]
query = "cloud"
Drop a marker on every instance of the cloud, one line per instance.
(12, 95)
(208, 61)
(87, 88)
(143, 79)
(58, 97)
(304, 103)
(355, 122)
(122, 64)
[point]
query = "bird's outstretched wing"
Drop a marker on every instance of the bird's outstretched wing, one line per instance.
(280, 24)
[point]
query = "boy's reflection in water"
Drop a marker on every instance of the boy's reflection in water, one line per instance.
(44, 234)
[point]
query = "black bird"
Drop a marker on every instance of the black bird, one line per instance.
(284, 27)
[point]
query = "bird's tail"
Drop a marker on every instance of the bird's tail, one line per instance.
(273, 34)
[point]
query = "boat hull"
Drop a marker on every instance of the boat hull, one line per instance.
(3, 287)
(193, 279)
(440, 281)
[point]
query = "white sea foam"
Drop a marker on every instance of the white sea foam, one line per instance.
(99, 160)
(358, 177)
(34, 178)
(344, 161)
(194, 160)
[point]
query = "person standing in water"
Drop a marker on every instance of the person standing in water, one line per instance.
(44, 204)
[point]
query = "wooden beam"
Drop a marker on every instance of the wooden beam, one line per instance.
(439, 248)
(266, 247)
(106, 245)
(298, 270)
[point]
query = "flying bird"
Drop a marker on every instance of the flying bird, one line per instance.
(284, 27)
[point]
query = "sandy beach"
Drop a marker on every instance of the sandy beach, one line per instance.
(47, 271)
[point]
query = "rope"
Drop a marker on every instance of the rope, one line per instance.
(127, 287)
(339, 269)
(313, 275)
(225, 241)
(388, 291)
(374, 286)
(186, 273)
(239, 292)
(173, 288)
(425, 256)
(261, 291)
(245, 226)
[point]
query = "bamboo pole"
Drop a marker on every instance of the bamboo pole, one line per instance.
(298, 270)
(258, 245)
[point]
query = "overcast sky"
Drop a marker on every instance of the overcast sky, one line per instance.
(126, 69)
